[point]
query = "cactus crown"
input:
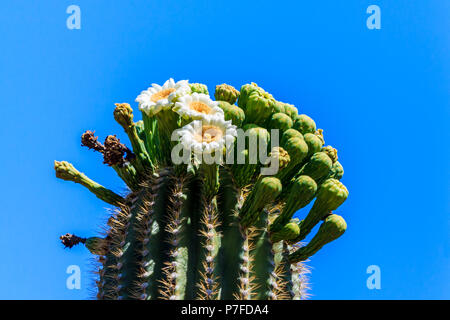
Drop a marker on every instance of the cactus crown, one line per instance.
(206, 228)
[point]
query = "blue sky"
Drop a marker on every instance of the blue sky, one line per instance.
(381, 96)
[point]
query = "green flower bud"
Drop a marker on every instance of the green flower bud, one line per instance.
(279, 107)
(289, 134)
(246, 90)
(314, 143)
(305, 124)
(337, 171)
(225, 92)
(319, 134)
(301, 192)
(199, 88)
(287, 232)
(282, 156)
(264, 192)
(98, 246)
(318, 166)
(331, 152)
(232, 112)
(280, 121)
(330, 196)
(259, 108)
(297, 150)
(258, 135)
(291, 111)
(243, 173)
(332, 228)
(123, 114)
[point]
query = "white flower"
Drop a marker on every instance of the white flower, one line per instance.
(198, 106)
(207, 136)
(156, 98)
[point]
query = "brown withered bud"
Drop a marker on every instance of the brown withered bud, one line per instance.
(115, 152)
(88, 139)
(70, 240)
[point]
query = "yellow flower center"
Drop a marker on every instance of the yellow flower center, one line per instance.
(163, 94)
(200, 107)
(209, 134)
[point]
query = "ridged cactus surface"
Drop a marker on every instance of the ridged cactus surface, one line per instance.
(219, 224)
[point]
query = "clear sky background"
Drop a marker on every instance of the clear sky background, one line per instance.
(382, 97)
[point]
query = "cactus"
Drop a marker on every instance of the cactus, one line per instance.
(207, 227)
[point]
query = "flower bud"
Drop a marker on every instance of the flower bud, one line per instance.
(225, 92)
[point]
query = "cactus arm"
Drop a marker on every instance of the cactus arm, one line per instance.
(66, 171)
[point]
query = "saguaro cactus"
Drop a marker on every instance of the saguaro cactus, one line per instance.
(201, 220)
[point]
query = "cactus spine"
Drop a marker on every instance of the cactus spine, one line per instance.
(205, 228)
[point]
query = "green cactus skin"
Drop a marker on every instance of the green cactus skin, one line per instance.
(213, 231)
(331, 228)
